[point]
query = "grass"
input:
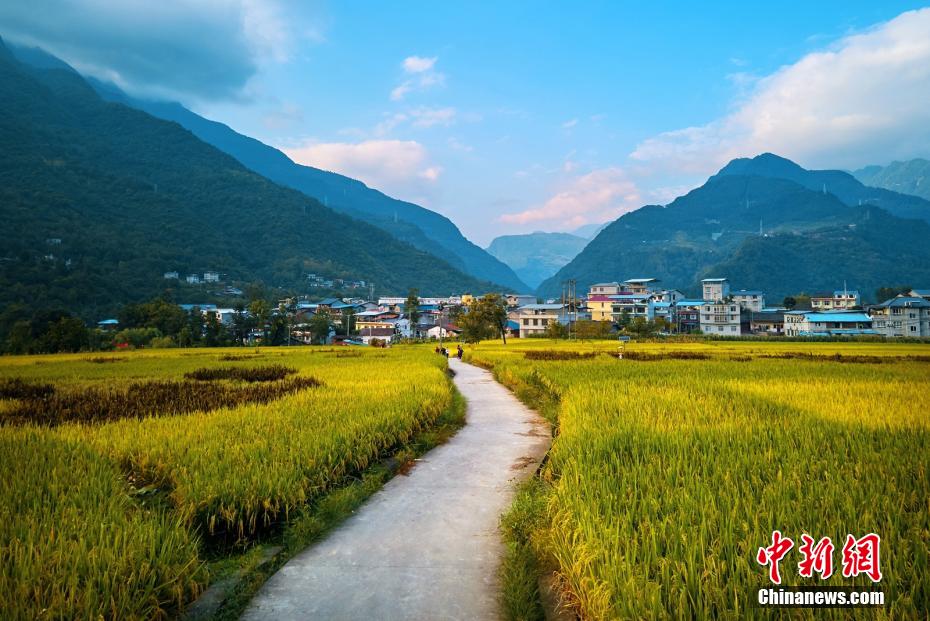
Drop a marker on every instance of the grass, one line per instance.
(670, 469)
(188, 495)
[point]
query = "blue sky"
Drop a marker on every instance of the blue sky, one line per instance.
(513, 117)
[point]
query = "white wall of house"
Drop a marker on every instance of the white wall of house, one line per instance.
(721, 318)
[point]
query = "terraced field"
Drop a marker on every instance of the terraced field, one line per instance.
(119, 472)
(674, 464)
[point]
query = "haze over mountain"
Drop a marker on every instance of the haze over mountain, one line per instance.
(425, 229)
(811, 239)
(536, 256)
(99, 199)
(909, 177)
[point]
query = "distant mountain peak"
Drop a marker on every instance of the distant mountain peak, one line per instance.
(765, 165)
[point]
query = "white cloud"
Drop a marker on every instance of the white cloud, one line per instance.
(418, 64)
(569, 124)
(863, 100)
(421, 76)
(597, 196)
(422, 117)
(397, 167)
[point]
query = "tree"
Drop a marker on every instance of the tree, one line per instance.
(556, 330)
(587, 329)
(789, 302)
(260, 311)
(886, 293)
(347, 325)
(474, 324)
(412, 309)
(493, 310)
(319, 326)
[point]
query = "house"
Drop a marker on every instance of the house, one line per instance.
(171, 275)
(604, 288)
(643, 286)
(921, 293)
(211, 277)
(193, 279)
(600, 306)
(750, 300)
(108, 324)
(902, 315)
(715, 289)
(535, 318)
(828, 323)
(631, 305)
(382, 334)
(771, 322)
(668, 295)
(516, 300)
(840, 299)
(686, 315)
(447, 330)
(719, 316)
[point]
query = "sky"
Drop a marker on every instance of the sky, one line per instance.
(520, 116)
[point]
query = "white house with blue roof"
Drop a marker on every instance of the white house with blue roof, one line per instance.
(830, 323)
(902, 315)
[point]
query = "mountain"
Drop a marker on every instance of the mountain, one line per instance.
(714, 230)
(98, 200)
(841, 184)
(420, 227)
(589, 231)
(910, 177)
(536, 256)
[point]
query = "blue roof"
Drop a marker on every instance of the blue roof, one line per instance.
(513, 325)
(662, 304)
(837, 317)
(188, 307)
(108, 322)
(920, 292)
(904, 301)
(690, 302)
(747, 292)
(714, 280)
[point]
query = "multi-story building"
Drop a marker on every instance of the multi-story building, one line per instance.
(840, 299)
(687, 315)
(604, 288)
(516, 300)
(211, 277)
(630, 306)
(171, 275)
(829, 323)
(642, 286)
(903, 315)
(721, 317)
(535, 318)
(715, 289)
(600, 306)
(750, 300)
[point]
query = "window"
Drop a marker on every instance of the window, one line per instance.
(913, 328)
(545, 322)
(732, 328)
(535, 322)
(526, 322)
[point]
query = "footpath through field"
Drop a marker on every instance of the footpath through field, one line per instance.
(427, 546)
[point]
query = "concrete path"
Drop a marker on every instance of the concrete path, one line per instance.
(427, 546)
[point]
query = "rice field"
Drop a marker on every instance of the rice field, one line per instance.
(674, 464)
(109, 516)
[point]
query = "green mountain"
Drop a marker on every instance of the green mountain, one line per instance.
(99, 199)
(536, 256)
(910, 177)
(841, 184)
(420, 227)
(714, 230)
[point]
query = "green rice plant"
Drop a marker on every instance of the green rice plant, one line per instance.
(666, 478)
(74, 546)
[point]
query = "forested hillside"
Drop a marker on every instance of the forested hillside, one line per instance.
(98, 200)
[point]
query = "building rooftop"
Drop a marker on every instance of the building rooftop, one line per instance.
(746, 292)
(904, 301)
(542, 307)
(691, 302)
(714, 280)
(640, 280)
(837, 317)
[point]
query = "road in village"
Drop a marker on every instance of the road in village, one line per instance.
(427, 546)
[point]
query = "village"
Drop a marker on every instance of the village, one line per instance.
(633, 306)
